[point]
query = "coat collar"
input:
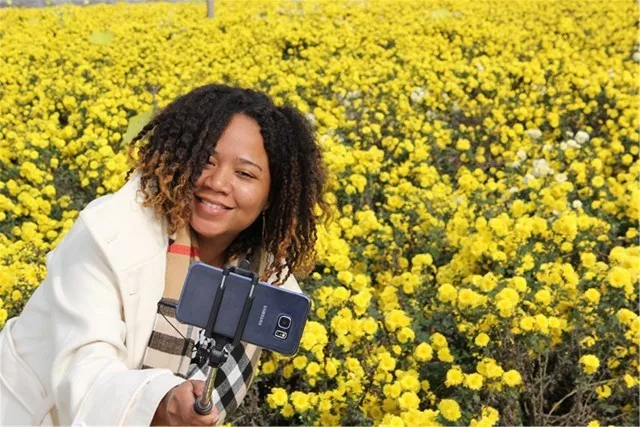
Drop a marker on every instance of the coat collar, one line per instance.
(128, 233)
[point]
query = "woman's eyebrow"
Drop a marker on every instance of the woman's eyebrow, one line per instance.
(249, 162)
(242, 160)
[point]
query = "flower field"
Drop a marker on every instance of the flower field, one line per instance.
(482, 263)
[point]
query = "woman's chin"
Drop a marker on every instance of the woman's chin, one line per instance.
(206, 229)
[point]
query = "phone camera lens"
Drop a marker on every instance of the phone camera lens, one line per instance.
(284, 322)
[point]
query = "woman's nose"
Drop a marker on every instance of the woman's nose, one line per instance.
(219, 181)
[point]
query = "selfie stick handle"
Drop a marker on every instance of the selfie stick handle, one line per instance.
(204, 403)
(220, 353)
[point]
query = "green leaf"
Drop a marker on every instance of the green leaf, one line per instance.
(102, 38)
(136, 123)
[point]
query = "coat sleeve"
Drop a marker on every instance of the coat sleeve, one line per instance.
(91, 383)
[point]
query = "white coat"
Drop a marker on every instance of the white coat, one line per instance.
(73, 356)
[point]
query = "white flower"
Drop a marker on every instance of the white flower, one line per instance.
(636, 56)
(522, 155)
(577, 204)
(354, 94)
(528, 178)
(563, 146)
(311, 118)
(513, 190)
(546, 147)
(534, 133)
(541, 168)
(418, 94)
(573, 143)
(561, 177)
(480, 68)
(582, 137)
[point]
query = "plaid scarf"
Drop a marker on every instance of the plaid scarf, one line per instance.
(183, 348)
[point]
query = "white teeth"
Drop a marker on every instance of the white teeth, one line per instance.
(212, 205)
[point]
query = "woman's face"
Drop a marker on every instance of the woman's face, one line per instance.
(233, 189)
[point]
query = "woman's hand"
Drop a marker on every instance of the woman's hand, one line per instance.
(176, 407)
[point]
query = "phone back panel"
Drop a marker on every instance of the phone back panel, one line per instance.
(270, 303)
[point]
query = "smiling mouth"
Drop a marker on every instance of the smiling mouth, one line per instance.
(213, 206)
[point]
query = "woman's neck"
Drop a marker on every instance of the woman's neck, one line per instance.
(215, 255)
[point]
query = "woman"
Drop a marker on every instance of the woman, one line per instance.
(225, 175)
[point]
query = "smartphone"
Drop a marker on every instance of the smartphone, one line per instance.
(276, 319)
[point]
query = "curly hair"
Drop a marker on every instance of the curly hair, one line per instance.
(183, 136)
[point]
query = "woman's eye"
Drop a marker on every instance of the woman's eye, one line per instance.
(244, 174)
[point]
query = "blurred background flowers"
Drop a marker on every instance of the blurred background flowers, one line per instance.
(482, 265)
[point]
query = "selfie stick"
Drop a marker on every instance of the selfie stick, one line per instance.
(220, 352)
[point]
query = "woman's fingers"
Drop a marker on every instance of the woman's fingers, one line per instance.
(180, 404)
(198, 390)
(198, 387)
